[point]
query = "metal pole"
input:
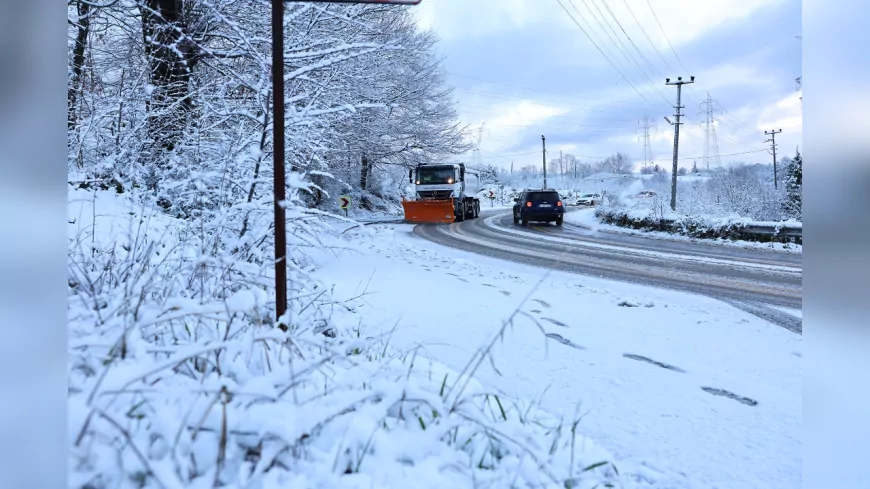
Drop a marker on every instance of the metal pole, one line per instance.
(544, 144)
(679, 83)
(676, 152)
(278, 159)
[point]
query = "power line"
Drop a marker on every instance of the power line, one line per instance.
(600, 51)
(599, 108)
(599, 24)
(651, 43)
(656, 17)
(727, 154)
(631, 41)
(615, 38)
(539, 90)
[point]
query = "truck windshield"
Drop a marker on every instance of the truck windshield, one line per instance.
(435, 175)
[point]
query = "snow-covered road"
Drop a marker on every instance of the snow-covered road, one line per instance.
(753, 279)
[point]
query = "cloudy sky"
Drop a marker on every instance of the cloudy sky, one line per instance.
(526, 68)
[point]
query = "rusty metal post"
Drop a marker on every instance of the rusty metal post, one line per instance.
(278, 159)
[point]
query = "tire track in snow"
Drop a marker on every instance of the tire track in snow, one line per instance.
(718, 274)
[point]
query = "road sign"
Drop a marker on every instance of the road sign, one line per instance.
(344, 200)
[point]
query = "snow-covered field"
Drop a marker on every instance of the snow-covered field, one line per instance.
(676, 391)
(171, 387)
(635, 360)
(586, 217)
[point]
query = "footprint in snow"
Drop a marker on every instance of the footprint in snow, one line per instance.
(536, 311)
(556, 322)
(730, 395)
(462, 279)
(564, 341)
(505, 293)
(489, 285)
(543, 303)
(649, 360)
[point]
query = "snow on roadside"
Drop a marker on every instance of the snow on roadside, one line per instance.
(587, 218)
(177, 379)
(636, 359)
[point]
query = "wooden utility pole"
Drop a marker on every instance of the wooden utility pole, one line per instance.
(544, 144)
(772, 142)
(679, 83)
(278, 152)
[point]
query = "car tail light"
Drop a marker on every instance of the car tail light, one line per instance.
(528, 204)
(559, 204)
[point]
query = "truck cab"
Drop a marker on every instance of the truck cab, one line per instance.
(443, 186)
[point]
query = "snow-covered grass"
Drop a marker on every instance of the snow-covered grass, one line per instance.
(178, 378)
(586, 217)
(652, 370)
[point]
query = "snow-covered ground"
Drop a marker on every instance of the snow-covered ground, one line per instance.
(676, 391)
(646, 367)
(178, 380)
(586, 217)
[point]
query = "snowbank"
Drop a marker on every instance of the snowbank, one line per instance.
(646, 216)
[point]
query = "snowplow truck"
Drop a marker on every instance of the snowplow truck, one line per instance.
(443, 193)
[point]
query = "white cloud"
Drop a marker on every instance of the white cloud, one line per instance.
(682, 20)
(455, 19)
(505, 122)
(785, 114)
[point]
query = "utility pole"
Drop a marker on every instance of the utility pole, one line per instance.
(279, 182)
(561, 165)
(544, 145)
(278, 144)
(772, 142)
(679, 83)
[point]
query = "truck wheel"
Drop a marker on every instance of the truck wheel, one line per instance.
(476, 207)
(460, 216)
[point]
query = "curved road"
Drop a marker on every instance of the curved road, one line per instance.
(750, 279)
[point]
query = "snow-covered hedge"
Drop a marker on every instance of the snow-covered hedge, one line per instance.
(703, 227)
(179, 379)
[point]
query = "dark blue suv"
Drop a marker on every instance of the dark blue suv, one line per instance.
(538, 205)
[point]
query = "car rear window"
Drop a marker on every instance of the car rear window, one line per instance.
(542, 196)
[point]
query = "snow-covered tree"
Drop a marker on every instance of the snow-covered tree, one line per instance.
(794, 186)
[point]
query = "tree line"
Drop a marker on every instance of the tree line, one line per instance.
(174, 97)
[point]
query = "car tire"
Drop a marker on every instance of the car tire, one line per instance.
(559, 221)
(525, 222)
(516, 219)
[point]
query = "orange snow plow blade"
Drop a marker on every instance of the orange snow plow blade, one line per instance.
(435, 211)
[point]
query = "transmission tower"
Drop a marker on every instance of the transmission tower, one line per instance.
(647, 146)
(714, 141)
(798, 79)
(476, 158)
(711, 143)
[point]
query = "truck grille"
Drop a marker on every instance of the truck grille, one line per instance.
(435, 194)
